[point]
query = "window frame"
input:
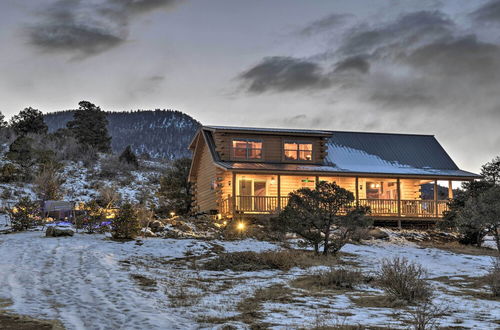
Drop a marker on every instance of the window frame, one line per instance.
(298, 150)
(247, 149)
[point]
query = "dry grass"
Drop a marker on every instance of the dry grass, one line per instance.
(333, 279)
(250, 308)
(366, 300)
(476, 287)
(10, 321)
(144, 282)
(458, 248)
(280, 260)
(182, 297)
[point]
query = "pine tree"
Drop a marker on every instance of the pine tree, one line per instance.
(89, 126)
(3, 123)
(322, 216)
(28, 121)
(175, 188)
(129, 157)
(22, 153)
(126, 224)
(25, 214)
(491, 171)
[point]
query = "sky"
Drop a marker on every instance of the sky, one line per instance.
(426, 67)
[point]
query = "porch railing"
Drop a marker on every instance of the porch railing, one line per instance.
(378, 207)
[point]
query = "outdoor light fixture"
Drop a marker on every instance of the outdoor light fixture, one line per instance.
(272, 180)
(240, 226)
(172, 214)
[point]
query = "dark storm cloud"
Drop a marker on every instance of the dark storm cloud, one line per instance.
(283, 74)
(359, 44)
(406, 30)
(490, 12)
(325, 24)
(465, 57)
(355, 63)
(86, 28)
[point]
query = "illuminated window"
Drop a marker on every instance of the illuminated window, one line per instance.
(298, 151)
(247, 149)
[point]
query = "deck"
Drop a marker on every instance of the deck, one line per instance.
(386, 208)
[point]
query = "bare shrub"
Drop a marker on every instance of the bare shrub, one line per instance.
(425, 316)
(108, 196)
(334, 278)
(493, 278)
(404, 279)
(47, 183)
(111, 167)
(252, 261)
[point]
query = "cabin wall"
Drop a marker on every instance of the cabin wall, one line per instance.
(272, 146)
(205, 196)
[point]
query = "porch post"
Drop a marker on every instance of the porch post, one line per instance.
(233, 199)
(436, 197)
(316, 179)
(357, 191)
(279, 192)
(450, 189)
(398, 183)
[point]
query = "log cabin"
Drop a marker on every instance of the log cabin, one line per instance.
(247, 171)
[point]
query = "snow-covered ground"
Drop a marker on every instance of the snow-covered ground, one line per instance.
(87, 282)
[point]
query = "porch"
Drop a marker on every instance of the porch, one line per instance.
(254, 194)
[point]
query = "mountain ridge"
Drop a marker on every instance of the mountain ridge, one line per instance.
(160, 133)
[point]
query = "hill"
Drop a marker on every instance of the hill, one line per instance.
(158, 133)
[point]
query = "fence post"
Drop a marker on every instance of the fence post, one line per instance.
(279, 192)
(398, 183)
(436, 198)
(357, 191)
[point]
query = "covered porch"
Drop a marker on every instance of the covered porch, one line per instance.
(412, 198)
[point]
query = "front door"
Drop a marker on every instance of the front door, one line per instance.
(245, 193)
(260, 200)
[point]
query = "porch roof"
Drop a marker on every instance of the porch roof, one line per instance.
(333, 170)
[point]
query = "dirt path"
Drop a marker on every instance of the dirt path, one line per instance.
(79, 281)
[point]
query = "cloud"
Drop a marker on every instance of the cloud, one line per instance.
(490, 12)
(142, 6)
(325, 24)
(85, 28)
(355, 63)
(409, 29)
(282, 74)
(465, 57)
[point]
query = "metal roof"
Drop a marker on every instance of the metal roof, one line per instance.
(352, 149)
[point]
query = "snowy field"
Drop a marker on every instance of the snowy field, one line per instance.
(91, 282)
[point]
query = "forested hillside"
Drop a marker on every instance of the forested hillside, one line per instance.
(159, 133)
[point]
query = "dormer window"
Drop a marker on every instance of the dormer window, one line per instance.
(297, 151)
(247, 149)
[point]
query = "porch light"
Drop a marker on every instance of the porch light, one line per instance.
(272, 180)
(240, 226)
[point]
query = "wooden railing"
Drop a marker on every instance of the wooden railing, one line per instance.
(378, 207)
